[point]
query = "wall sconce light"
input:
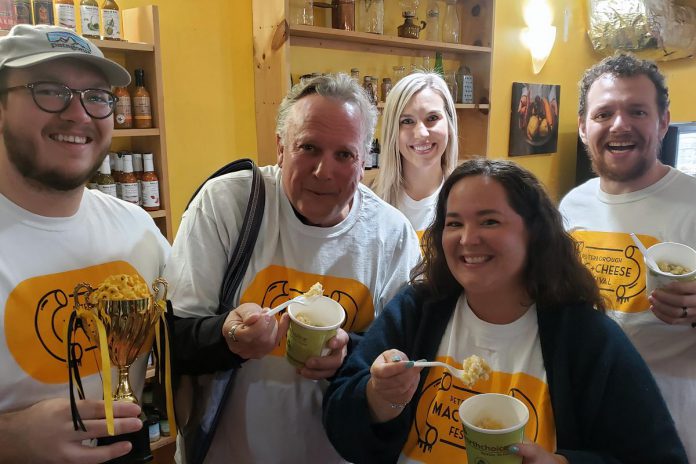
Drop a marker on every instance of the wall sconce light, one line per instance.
(539, 35)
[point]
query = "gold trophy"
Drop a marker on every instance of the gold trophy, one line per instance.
(121, 317)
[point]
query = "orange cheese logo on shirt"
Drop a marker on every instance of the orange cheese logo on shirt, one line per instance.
(437, 434)
(276, 284)
(36, 312)
(618, 266)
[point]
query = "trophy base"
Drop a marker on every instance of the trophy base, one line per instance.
(141, 447)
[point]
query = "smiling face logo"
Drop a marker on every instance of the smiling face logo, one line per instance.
(36, 312)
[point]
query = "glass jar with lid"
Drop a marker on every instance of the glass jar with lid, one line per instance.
(399, 72)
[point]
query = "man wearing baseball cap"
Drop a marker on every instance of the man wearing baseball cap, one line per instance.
(56, 123)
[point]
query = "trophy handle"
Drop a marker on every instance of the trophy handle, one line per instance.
(79, 292)
(160, 283)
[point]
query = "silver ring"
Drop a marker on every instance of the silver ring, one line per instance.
(231, 334)
(398, 405)
(684, 313)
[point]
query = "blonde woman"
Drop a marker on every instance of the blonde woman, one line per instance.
(419, 146)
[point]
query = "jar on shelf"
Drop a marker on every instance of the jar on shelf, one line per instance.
(342, 13)
(372, 12)
(305, 13)
(450, 26)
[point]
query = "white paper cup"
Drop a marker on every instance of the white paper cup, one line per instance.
(488, 445)
(308, 340)
(673, 253)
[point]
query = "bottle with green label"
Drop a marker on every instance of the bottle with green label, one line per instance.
(89, 18)
(438, 64)
(111, 20)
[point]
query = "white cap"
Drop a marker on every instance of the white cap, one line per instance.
(28, 45)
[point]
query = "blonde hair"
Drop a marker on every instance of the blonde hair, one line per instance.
(390, 181)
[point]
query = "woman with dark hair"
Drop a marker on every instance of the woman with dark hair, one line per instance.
(500, 279)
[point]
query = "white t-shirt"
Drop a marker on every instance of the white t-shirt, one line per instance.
(420, 213)
(601, 223)
(273, 415)
(43, 259)
(513, 352)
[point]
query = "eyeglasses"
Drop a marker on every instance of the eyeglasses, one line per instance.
(53, 97)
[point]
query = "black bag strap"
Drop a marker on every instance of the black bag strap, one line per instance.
(247, 234)
(198, 444)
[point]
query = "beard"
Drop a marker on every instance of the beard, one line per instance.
(22, 154)
(639, 167)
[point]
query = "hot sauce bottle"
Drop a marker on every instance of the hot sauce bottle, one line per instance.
(141, 102)
(150, 184)
(129, 183)
(123, 118)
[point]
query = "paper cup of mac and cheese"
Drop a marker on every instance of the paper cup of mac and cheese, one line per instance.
(311, 326)
(676, 261)
(492, 422)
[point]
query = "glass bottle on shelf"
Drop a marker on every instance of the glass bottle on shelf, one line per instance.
(399, 72)
(142, 109)
(305, 13)
(123, 117)
(129, 183)
(65, 14)
(451, 81)
(426, 63)
(386, 87)
(439, 68)
(105, 182)
(111, 20)
(450, 26)
(150, 184)
(89, 18)
(372, 12)
(433, 20)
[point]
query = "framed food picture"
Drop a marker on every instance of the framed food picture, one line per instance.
(534, 118)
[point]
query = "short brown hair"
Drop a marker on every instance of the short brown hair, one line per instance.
(624, 65)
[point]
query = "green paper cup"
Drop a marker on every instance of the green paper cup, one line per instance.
(487, 445)
(672, 253)
(311, 326)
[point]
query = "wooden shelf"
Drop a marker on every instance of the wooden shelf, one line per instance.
(123, 45)
(162, 442)
(284, 51)
(337, 38)
(458, 106)
(113, 44)
(158, 214)
(136, 132)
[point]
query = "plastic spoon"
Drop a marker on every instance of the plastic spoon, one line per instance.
(457, 372)
(298, 299)
(641, 247)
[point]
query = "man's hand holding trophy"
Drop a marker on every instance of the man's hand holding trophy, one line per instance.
(122, 318)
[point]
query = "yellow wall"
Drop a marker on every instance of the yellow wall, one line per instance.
(208, 88)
